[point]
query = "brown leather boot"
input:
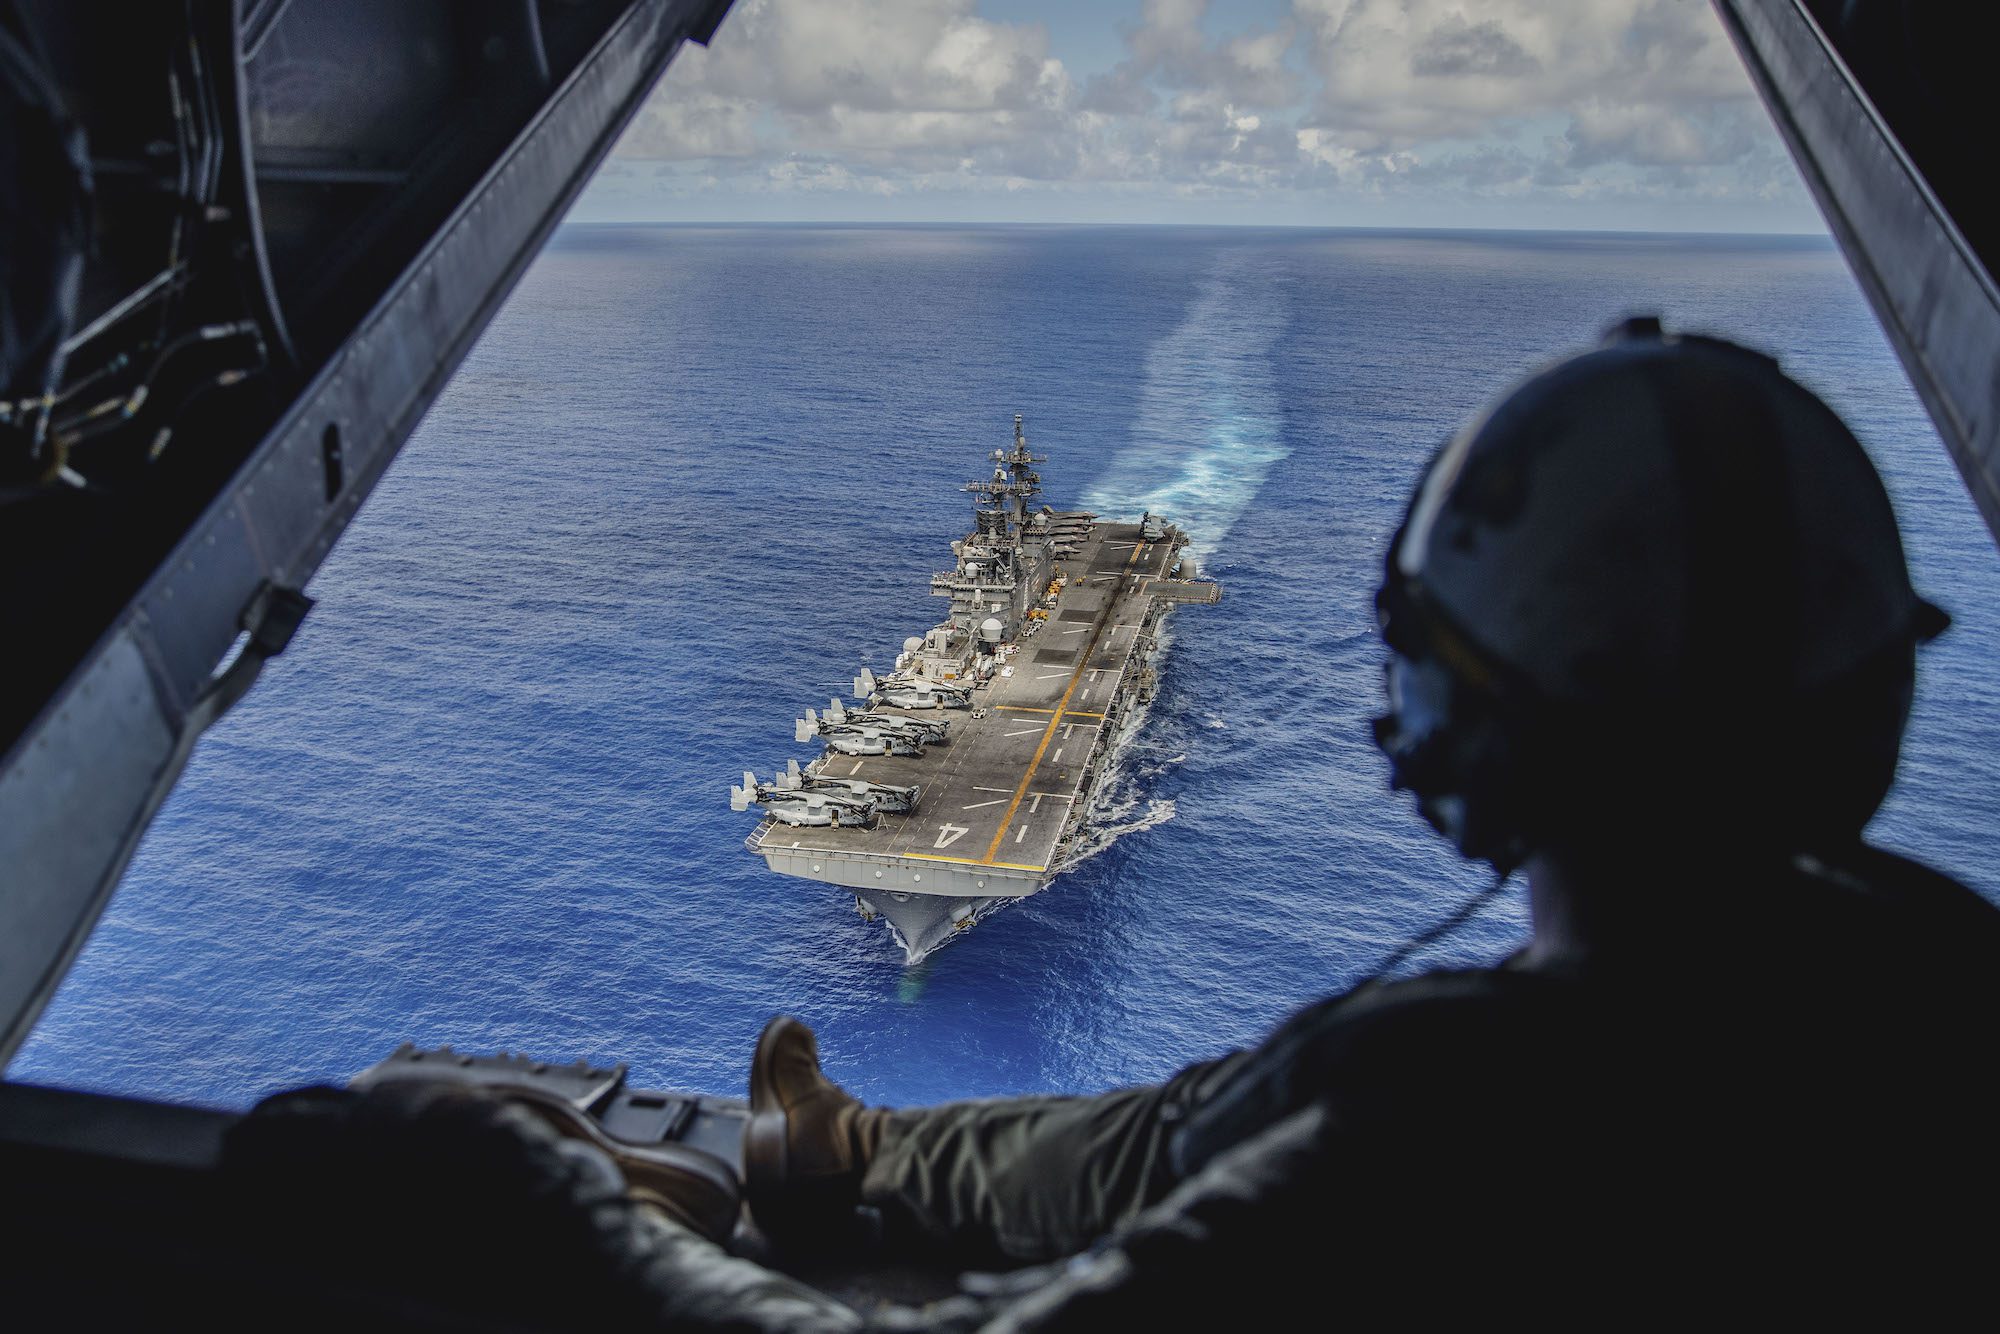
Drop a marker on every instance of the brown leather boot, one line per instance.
(809, 1140)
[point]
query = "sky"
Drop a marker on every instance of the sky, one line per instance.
(1571, 114)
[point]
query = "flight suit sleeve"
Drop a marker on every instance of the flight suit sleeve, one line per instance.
(1235, 1240)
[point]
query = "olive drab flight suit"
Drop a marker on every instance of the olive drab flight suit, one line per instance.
(1034, 1178)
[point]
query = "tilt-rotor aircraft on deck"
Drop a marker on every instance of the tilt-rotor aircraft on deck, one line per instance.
(904, 690)
(806, 798)
(1047, 646)
(245, 245)
(869, 732)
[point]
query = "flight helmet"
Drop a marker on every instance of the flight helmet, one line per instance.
(1656, 591)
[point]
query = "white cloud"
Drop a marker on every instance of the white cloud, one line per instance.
(1657, 135)
(882, 77)
(1395, 73)
(1447, 99)
(1169, 46)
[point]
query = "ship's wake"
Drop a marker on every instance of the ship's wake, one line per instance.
(1209, 428)
(1207, 435)
(1118, 816)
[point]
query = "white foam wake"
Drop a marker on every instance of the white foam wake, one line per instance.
(1207, 434)
(1208, 430)
(1106, 829)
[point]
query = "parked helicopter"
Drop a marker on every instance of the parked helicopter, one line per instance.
(888, 798)
(907, 691)
(794, 805)
(927, 730)
(865, 732)
(855, 739)
(791, 803)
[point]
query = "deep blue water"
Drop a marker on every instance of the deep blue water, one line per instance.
(692, 477)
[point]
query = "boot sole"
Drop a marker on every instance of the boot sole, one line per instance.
(766, 1161)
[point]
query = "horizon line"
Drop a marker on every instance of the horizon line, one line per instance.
(1188, 226)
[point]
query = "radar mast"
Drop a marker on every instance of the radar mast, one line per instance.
(1006, 494)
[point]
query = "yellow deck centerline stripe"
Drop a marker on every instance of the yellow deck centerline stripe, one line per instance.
(1083, 661)
(970, 861)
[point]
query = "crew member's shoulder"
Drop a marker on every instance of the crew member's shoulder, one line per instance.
(1449, 1026)
(1478, 996)
(1397, 1054)
(1886, 904)
(1906, 885)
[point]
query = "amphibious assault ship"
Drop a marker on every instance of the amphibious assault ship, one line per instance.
(964, 781)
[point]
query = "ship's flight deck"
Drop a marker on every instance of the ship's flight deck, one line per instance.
(964, 781)
(998, 796)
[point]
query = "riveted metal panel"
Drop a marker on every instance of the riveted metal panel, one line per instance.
(1936, 302)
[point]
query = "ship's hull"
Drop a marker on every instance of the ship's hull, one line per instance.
(922, 922)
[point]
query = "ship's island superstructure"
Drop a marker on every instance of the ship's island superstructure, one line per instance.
(964, 780)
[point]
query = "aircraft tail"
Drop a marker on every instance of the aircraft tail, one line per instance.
(807, 727)
(743, 798)
(790, 779)
(864, 684)
(835, 711)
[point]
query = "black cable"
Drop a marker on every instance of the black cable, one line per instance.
(221, 379)
(116, 366)
(116, 411)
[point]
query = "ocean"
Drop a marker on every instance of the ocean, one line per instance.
(693, 477)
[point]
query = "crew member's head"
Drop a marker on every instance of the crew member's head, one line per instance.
(1654, 596)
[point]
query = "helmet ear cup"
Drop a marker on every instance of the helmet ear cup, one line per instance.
(1494, 826)
(1452, 752)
